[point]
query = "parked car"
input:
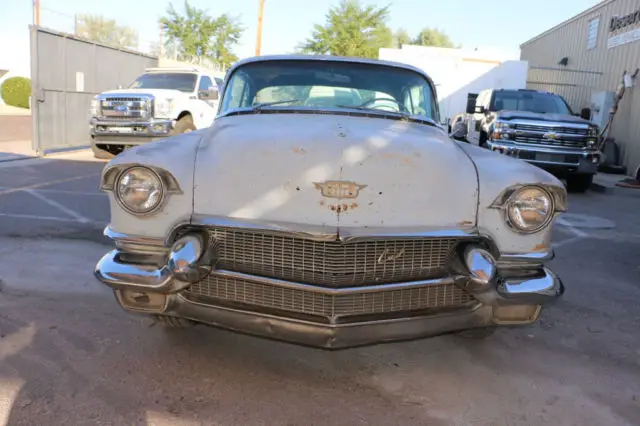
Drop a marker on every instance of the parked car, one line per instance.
(537, 127)
(338, 213)
(159, 103)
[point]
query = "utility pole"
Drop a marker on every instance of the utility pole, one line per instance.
(36, 12)
(259, 36)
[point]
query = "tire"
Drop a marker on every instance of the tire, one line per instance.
(579, 183)
(477, 333)
(184, 125)
(482, 141)
(173, 322)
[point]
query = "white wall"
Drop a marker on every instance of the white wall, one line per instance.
(457, 72)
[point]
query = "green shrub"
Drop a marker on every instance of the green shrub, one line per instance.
(15, 91)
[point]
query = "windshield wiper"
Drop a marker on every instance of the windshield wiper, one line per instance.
(259, 106)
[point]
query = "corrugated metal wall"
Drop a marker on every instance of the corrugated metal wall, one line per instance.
(592, 70)
(67, 72)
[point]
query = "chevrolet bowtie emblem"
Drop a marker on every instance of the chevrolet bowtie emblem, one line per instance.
(339, 189)
(550, 135)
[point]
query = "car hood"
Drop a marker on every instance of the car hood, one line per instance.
(158, 93)
(334, 171)
(526, 115)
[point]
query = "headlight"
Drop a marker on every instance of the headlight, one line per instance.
(139, 190)
(163, 108)
(93, 109)
(593, 131)
(499, 125)
(530, 209)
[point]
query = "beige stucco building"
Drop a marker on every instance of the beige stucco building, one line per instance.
(588, 54)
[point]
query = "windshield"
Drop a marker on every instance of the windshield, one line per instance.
(184, 82)
(545, 103)
(330, 84)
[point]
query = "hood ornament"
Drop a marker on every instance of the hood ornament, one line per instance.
(339, 188)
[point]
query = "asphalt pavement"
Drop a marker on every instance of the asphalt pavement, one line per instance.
(70, 356)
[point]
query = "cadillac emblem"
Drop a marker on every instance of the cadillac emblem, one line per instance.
(550, 136)
(339, 189)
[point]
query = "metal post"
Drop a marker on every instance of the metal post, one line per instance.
(259, 35)
(36, 12)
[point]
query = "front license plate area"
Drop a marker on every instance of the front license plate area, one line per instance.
(121, 129)
(543, 156)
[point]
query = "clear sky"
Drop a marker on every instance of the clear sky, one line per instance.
(502, 24)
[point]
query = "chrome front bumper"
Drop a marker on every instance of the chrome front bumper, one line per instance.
(584, 161)
(127, 132)
(513, 297)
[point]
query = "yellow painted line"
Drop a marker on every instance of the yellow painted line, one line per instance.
(42, 185)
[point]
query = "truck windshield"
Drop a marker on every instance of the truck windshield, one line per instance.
(545, 103)
(315, 84)
(184, 82)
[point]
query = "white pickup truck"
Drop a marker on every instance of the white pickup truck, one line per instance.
(160, 103)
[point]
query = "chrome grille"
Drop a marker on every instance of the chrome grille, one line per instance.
(218, 290)
(543, 129)
(331, 263)
(570, 137)
(125, 107)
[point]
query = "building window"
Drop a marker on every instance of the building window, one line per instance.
(592, 36)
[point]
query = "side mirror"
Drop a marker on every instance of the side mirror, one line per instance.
(471, 103)
(209, 95)
(585, 113)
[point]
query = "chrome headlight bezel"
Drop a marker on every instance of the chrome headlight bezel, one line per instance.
(129, 209)
(509, 205)
(501, 125)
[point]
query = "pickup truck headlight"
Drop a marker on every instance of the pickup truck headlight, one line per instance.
(163, 108)
(500, 125)
(593, 131)
(139, 190)
(93, 109)
(530, 209)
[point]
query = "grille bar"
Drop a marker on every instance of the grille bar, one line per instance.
(331, 263)
(220, 289)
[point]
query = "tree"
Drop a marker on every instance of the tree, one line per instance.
(401, 37)
(433, 37)
(351, 29)
(107, 31)
(197, 35)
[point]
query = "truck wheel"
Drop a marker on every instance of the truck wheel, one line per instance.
(482, 142)
(579, 183)
(184, 125)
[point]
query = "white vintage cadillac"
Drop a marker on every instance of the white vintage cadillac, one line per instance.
(325, 206)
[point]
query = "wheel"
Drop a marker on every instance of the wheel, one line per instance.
(579, 183)
(477, 333)
(173, 322)
(184, 125)
(482, 142)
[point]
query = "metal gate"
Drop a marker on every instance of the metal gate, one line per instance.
(66, 73)
(576, 86)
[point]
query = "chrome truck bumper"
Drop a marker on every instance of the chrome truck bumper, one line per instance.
(112, 136)
(510, 290)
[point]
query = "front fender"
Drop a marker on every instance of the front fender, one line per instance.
(175, 156)
(496, 174)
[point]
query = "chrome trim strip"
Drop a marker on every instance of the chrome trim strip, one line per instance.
(331, 291)
(132, 239)
(539, 123)
(332, 233)
(110, 175)
(532, 257)
(123, 275)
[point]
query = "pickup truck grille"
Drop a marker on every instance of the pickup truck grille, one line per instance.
(571, 137)
(331, 263)
(127, 107)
